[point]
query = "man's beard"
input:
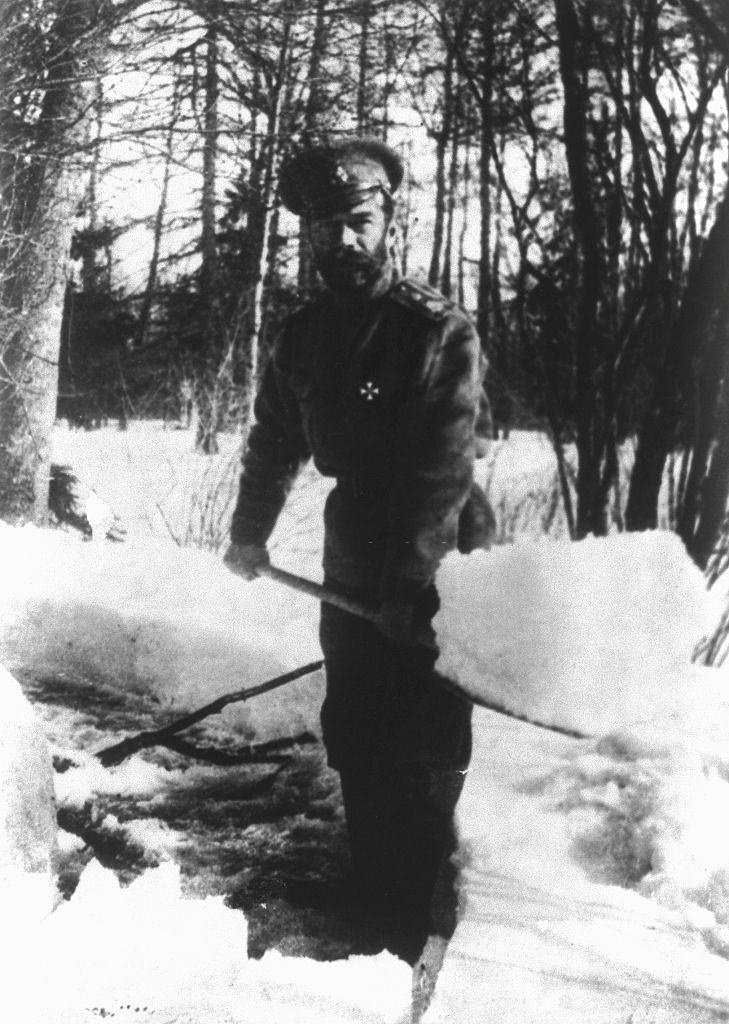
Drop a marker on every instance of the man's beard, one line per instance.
(353, 273)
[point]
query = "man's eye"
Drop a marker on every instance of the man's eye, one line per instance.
(323, 228)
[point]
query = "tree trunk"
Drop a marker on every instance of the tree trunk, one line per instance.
(442, 136)
(406, 214)
(89, 268)
(270, 181)
(447, 272)
(701, 531)
(146, 309)
(483, 316)
(687, 348)
(312, 114)
(591, 493)
(363, 112)
(41, 187)
(29, 356)
(208, 384)
(465, 205)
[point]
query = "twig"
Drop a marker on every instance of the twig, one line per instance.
(254, 753)
(161, 737)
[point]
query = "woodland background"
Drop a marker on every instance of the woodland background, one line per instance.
(567, 183)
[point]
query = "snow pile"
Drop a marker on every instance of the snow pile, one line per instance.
(145, 953)
(587, 636)
(27, 809)
(562, 843)
(144, 944)
(595, 872)
(147, 617)
(356, 990)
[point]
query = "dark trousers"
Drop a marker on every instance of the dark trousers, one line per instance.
(401, 742)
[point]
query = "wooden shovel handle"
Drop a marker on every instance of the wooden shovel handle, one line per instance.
(347, 604)
(320, 592)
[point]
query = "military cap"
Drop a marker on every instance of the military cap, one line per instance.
(337, 176)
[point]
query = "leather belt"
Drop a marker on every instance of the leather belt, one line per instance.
(362, 488)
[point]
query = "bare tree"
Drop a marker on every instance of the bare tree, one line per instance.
(689, 402)
(50, 61)
(212, 343)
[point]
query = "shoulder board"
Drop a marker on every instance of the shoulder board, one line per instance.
(421, 298)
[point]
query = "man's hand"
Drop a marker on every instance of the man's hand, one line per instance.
(246, 560)
(395, 621)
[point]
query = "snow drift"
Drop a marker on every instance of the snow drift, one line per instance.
(146, 616)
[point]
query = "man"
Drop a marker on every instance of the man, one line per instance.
(379, 380)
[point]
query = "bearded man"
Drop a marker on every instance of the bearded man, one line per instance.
(379, 379)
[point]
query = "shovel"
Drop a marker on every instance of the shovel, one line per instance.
(371, 614)
(321, 593)
(168, 736)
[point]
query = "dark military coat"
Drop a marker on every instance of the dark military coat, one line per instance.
(386, 403)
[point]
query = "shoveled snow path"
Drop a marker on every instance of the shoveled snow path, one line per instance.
(544, 937)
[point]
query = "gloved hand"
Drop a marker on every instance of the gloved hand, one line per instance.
(395, 621)
(246, 559)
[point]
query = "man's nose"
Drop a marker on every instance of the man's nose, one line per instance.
(350, 238)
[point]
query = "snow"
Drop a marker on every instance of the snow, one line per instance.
(587, 636)
(587, 879)
(135, 775)
(145, 953)
(594, 881)
(595, 872)
(147, 616)
(27, 808)
(159, 486)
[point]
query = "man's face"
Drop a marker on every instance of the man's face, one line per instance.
(350, 248)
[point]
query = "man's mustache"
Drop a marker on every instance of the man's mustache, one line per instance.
(348, 258)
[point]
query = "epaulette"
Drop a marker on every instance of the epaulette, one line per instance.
(421, 298)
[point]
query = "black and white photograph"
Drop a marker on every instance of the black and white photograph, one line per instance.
(364, 511)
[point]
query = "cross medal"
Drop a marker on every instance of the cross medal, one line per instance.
(369, 391)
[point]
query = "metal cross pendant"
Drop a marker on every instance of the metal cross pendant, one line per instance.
(369, 391)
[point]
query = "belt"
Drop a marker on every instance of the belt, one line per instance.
(363, 488)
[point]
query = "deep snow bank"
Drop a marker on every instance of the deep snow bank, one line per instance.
(566, 846)
(594, 882)
(147, 616)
